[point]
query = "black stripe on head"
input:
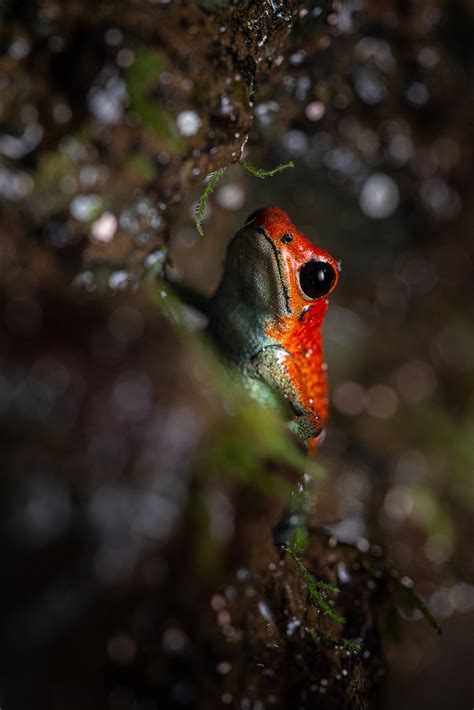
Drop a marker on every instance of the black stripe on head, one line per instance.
(252, 217)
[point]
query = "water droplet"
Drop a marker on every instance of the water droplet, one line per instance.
(342, 573)
(188, 123)
(292, 625)
(103, 229)
(119, 280)
(379, 196)
(85, 280)
(157, 257)
(224, 667)
(84, 207)
(265, 612)
(315, 111)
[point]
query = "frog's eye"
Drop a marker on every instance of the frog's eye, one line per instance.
(316, 278)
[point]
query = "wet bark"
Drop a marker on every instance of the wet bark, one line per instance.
(213, 63)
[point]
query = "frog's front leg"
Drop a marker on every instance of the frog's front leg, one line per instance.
(277, 368)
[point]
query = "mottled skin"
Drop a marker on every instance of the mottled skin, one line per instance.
(266, 323)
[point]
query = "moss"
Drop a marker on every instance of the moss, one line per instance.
(214, 178)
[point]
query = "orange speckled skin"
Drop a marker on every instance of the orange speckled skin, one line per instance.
(300, 333)
(267, 325)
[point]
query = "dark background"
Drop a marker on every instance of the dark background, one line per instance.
(118, 518)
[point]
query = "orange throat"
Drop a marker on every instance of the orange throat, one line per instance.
(302, 338)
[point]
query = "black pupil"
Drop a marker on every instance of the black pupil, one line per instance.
(316, 278)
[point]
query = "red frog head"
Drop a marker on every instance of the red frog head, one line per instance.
(269, 309)
(308, 272)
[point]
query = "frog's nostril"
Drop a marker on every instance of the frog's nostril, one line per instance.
(287, 238)
(316, 278)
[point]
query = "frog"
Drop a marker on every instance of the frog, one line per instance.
(266, 317)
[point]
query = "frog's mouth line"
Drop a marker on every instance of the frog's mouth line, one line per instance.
(277, 254)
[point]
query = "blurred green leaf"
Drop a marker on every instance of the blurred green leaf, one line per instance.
(409, 597)
(453, 438)
(141, 166)
(250, 436)
(145, 71)
(141, 78)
